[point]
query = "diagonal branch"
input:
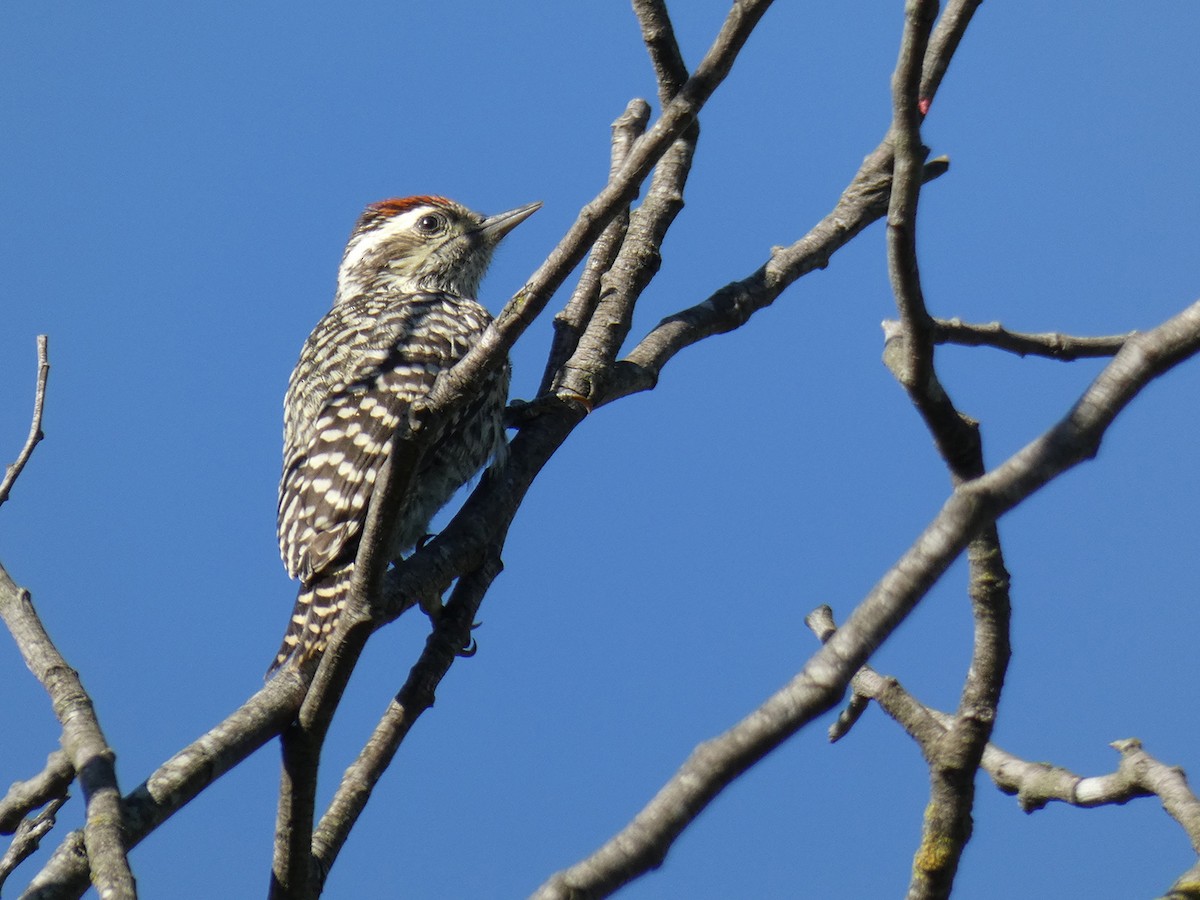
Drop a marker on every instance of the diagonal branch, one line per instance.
(446, 642)
(864, 200)
(25, 796)
(590, 367)
(573, 318)
(529, 302)
(28, 837)
(178, 780)
(713, 765)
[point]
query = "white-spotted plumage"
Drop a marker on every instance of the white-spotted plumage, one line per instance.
(404, 313)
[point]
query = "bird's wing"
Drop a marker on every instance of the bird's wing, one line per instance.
(332, 459)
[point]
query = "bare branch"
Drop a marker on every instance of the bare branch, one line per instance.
(28, 837)
(293, 875)
(180, 779)
(1035, 784)
(447, 641)
(24, 797)
(35, 428)
(1054, 345)
(84, 743)
(864, 200)
(644, 842)
(908, 158)
(658, 34)
(953, 759)
(591, 365)
(573, 318)
(951, 27)
(529, 302)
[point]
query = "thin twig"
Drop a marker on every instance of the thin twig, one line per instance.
(28, 837)
(35, 428)
(951, 26)
(1053, 345)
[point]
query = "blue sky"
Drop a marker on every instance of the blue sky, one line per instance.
(177, 187)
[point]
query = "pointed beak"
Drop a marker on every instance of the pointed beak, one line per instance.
(495, 227)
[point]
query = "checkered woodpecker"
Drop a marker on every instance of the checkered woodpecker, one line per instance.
(403, 313)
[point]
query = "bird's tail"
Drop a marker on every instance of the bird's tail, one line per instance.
(318, 607)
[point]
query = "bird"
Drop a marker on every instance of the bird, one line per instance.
(404, 312)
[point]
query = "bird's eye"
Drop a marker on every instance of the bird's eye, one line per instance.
(430, 224)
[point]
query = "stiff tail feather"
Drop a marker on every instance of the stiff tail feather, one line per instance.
(316, 613)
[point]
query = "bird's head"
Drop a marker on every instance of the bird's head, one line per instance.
(423, 244)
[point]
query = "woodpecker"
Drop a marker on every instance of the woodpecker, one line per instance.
(404, 312)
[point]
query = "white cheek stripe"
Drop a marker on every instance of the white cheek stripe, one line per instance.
(387, 230)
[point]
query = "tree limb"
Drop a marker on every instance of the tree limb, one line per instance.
(529, 302)
(570, 321)
(24, 797)
(713, 765)
(82, 740)
(1035, 784)
(1054, 345)
(590, 367)
(28, 837)
(448, 640)
(179, 779)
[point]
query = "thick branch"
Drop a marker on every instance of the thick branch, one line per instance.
(293, 875)
(658, 34)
